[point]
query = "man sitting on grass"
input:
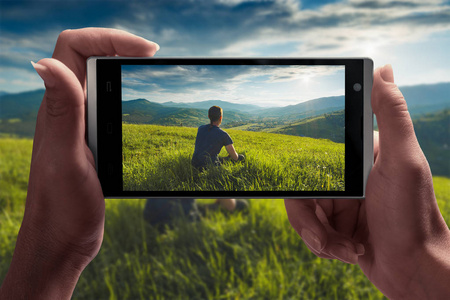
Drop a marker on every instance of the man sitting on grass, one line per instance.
(210, 140)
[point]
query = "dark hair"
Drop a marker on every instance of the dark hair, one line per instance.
(214, 113)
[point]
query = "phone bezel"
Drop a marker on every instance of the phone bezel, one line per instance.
(104, 124)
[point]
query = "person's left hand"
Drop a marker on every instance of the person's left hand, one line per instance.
(63, 225)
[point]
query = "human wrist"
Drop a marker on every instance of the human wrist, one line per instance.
(41, 268)
(434, 269)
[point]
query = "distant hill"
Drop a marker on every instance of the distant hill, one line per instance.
(433, 133)
(18, 112)
(227, 106)
(426, 98)
(22, 105)
(327, 126)
(146, 112)
(306, 109)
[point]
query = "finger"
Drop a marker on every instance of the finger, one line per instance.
(339, 218)
(396, 132)
(73, 47)
(61, 115)
(376, 147)
(342, 247)
(342, 214)
(303, 218)
(321, 254)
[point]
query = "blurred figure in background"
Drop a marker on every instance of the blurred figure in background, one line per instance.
(164, 211)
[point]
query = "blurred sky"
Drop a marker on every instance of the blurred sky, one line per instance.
(257, 85)
(412, 35)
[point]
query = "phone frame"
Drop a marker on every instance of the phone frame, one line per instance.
(104, 124)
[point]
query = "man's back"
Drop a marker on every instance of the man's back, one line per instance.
(210, 140)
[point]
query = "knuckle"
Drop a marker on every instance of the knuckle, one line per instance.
(418, 169)
(65, 36)
(56, 107)
(389, 99)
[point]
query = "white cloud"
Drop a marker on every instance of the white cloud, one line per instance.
(255, 28)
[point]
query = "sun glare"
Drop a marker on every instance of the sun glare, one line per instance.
(369, 49)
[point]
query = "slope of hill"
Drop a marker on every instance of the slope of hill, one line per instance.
(426, 98)
(141, 111)
(18, 112)
(433, 133)
(306, 109)
(327, 126)
(20, 106)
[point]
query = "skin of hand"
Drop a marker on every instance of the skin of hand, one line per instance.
(62, 228)
(397, 234)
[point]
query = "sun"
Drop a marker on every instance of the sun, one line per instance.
(369, 49)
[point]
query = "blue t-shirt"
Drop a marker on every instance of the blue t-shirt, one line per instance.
(210, 140)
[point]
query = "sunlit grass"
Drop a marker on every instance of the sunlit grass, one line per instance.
(225, 256)
(158, 158)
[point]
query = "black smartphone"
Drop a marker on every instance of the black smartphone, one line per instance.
(231, 127)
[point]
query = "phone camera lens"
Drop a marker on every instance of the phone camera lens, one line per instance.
(357, 87)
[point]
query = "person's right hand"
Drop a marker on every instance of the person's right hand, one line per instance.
(397, 234)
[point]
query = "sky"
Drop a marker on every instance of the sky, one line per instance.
(412, 35)
(258, 85)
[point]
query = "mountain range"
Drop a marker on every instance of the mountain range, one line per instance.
(428, 105)
(23, 107)
(208, 103)
(196, 114)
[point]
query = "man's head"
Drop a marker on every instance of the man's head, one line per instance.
(215, 114)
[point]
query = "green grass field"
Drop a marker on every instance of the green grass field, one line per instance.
(158, 158)
(254, 256)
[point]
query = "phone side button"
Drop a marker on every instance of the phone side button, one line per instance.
(108, 86)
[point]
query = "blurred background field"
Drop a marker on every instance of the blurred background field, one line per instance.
(225, 256)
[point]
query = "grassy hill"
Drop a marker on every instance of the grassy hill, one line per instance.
(306, 109)
(254, 256)
(327, 126)
(159, 158)
(142, 111)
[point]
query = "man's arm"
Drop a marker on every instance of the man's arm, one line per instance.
(232, 152)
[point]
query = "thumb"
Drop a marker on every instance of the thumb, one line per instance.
(396, 131)
(62, 109)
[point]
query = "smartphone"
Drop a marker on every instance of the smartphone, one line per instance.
(231, 127)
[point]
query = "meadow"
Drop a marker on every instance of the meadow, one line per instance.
(158, 158)
(225, 256)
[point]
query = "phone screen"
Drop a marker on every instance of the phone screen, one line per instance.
(233, 127)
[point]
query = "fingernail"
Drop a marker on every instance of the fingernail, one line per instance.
(45, 74)
(157, 46)
(360, 250)
(343, 253)
(311, 240)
